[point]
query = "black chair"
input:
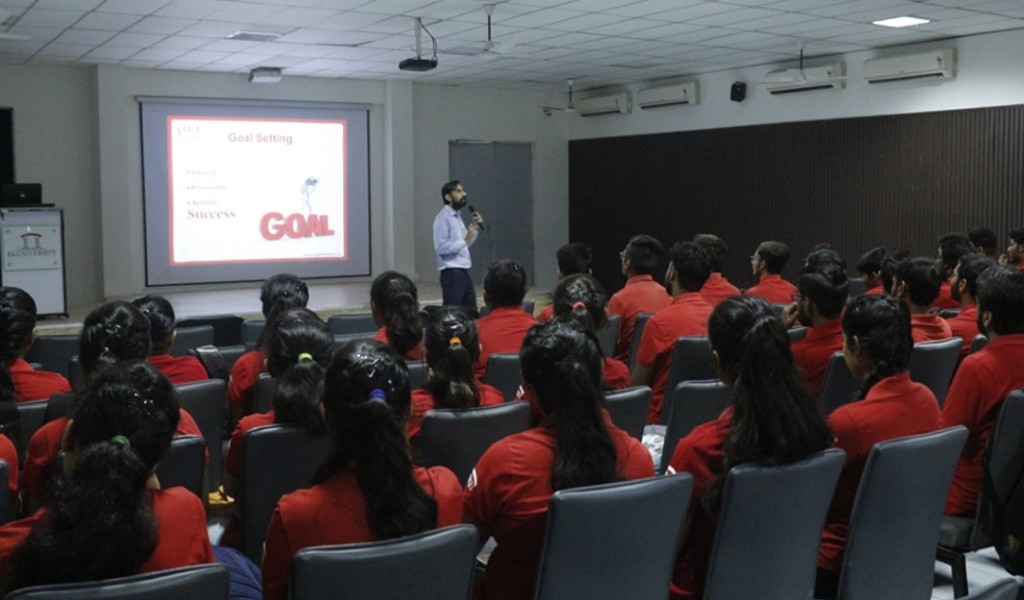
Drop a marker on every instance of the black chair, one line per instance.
(276, 460)
(978, 343)
(186, 338)
(435, 564)
(1005, 458)
(182, 464)
(53, 352)
(60, 405)
(251, 331)
(33, 416)
(628, 409)
(1006, 589)
(609, 334)
(227, 329)
(949, 313)
(839, 386)
(218, 360)
(638, 331)
(206, 401)
(692, 403)
(200, 582)
(691, 361)
(417, 373)
(769, 528)
(597, 534)
(5, 497)
(857, 287)
(340, 339)
(75, 372)
(933, 364)
(352, 323)
(894, 524)
(458, 438)
(503, 372)
(796, 334)
(263, 393)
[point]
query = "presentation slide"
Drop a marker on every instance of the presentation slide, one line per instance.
(239, 193)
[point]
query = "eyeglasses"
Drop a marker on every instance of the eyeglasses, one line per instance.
(795, 297)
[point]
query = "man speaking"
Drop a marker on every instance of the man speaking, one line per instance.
(452, 240)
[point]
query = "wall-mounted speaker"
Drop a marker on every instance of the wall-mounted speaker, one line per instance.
(738, 91)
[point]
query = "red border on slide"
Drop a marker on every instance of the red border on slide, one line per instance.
(170, 193)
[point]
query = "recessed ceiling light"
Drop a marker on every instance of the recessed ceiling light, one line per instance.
(901, 22)
(253, 36)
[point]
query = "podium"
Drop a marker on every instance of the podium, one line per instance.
(32, 247)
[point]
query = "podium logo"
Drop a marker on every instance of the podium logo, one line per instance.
(274, 226)
(30, 246)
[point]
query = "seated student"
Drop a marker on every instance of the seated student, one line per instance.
(985, 378)
(368, 489)
(278, 294)
(985, 242)
(877, 346)
(581, 298)
(573, 259)
(9, 454)
(916, 283)
(823, 254)
(453, 348)
(396, 310)
(110, 518)
(772, 420)
(717, 287)
(575, 444)
(1015, 251)
(689, 267)
(19, 382)
(641, 294)
(820, 299)
(870, 268)
(965, 291)
(503, 330)
(952, 246)
(767, 263)
(179, 369)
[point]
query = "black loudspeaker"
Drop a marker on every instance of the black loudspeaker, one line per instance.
(738, 91)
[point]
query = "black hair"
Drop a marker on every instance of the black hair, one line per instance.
(951, 247)
(574, 258)
(774, 254)
(98, 523)
(1001, 293)
(161, 318)
(881, 325)
(299, 348)
(984, 239)
(775, 420)
(922, 278)
(970, 267)
(644, 253)
(453, 349)
(823, 255)
(715, 247)
(692, 265)
(870, 262)
(278, 294)
(17, 325)
(366, 401)
(1017, 235)
(827, 287)
(563, 364)
(449, 188)
(582, 299)
(394, 296)
(113, 332)
(505, 284)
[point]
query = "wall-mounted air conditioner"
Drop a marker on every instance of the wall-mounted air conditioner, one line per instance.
(603, 105)
(934, 64)
(669, 95)
(807, 79)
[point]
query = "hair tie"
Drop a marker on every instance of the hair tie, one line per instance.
(121, 440)
(454, 341)
(305, 356)
(378, 395)
(578, 305)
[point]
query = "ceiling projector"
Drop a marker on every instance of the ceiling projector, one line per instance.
(418, 64)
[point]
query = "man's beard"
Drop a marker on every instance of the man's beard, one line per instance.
(459, 204)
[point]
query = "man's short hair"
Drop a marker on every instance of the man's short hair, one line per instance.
(823, 255)
(715, 249)
(449, 188)
(951, 247)
(870, 262)
(1017, 235)
(827, 286)
(644, 253)
(922, 278)
(505, 284)
(971, 266)
(574, 258)
(775, 256)
(1001, 292)
(692, 265)
(984, 238)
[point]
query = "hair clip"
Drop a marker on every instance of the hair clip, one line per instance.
(305, 356)
(121, 441)
(454, 341)
(378, 395)
(579, 305)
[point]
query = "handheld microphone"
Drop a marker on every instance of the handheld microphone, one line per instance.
(476, 217)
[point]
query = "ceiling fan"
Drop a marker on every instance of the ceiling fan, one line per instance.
(6, 21)
(489, 49)
(570, 107)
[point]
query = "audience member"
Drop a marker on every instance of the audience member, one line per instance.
(951, 247)
(19, 382)
(160, 313)
(717, 287)
(767, 263)
(503, 329)
(572, 259)
(870, 268)
(818, 304)
(965, 291)
(916, 283)
(581, 299)
(985, 242)
(823, 254)
(396, 310)
(641, 294)
(1015, 251)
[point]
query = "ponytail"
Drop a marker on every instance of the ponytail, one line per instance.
(394, 298)
(297, 396)
(582, 299)
(452, 348)
(299, 346)
(17, 324)
(115, 331)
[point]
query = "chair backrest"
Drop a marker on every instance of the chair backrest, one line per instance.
(894, 524)
(218, 360)
(628, 409)
(200, 582)
(227, 329)
(691, 360)
(503, 372)
(182, 464)
(458, 438)
(528, 306)
(933, 364)
(340, 339)
(251, 331)
(597, 534)
(33, 415)
(796, 334)
(769, 528)
(206, 401)
(1006, 589)
(949, 313)
(263, 393)
(978, 343)
(692, 403)
(53, 352)
(75, 372)
(5, 497)
(276, 460)
(187, 338)
(857, 287)
(60, 405)
(638, 331)
(1005, 463)
(435, 564)
(839, 386)
(352, 323)
(417, 373)
(609, 334)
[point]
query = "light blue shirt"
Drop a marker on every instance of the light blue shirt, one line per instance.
(450, 245)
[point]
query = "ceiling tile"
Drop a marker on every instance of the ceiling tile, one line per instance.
(132, 7)
(84, 36)
(193, 9)
(106, 21)
(41, 17)
(68, 51)
(161, 25)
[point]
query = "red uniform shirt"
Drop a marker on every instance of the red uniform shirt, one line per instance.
(687, 315)
(894, 407)
(30, 384)
(242, 383)
(812, 353)
(335, 513)
(179, 369)
(878, 290)
(965, 326)
(718, 288)
(422, 402)
(502, 331)
(975, 396)
(9, 454)
(929, 327)
(415, 354)
(546, 314)
(772, 288)
(616, 374)
(640, 295)
(233, 460)
(945, 298)
(507, 497)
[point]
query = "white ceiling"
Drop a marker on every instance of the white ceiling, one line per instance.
(543, 42)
